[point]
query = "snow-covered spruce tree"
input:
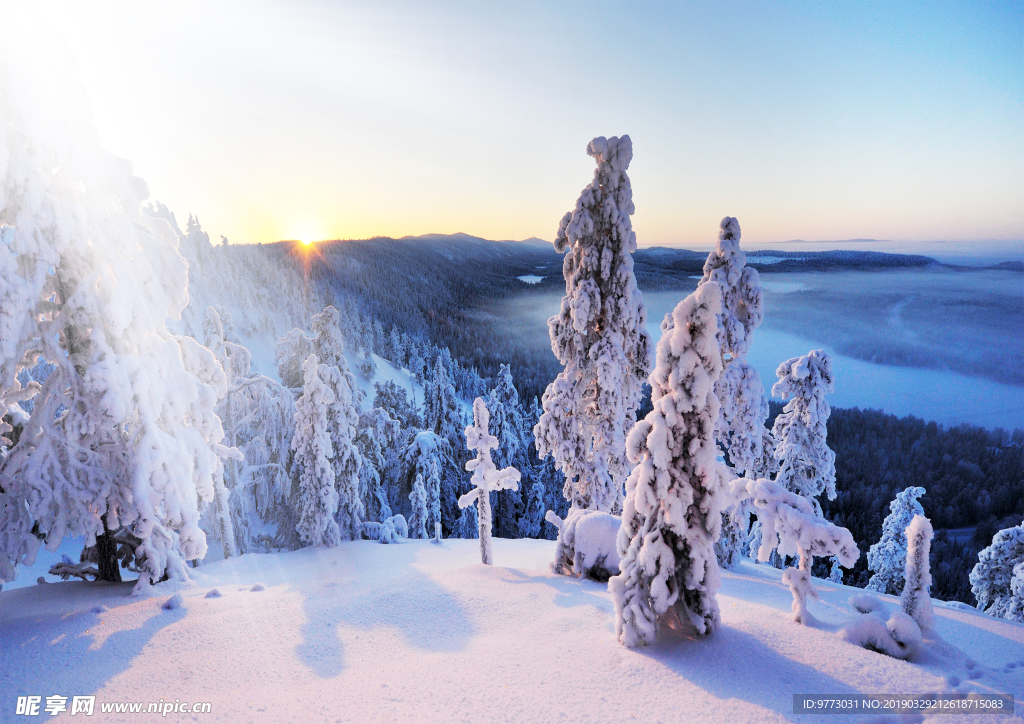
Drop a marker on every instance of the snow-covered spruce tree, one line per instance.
(672, 511)
(317, 500)
(426, 457)
(793, 527)
(915, 600)
(533, 516)
(292, 350)
(123, 431)
(441, 408)
(507, 426)
(343, 417)
(376, 432)
(599, 335)
(807, 465)
(1015, 609)
(418, 509)
(835, 573)
(887, 558)
(741, 432)
(994, 572)
(258, 415)
(744, 406)
(486, 477)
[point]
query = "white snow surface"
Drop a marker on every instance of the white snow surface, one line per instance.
(365, 632)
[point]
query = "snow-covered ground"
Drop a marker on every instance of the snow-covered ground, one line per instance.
(424, 632)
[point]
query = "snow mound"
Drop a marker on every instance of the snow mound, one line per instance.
(213, 593)
(865, 603)
(257, 587)
(173, 603)
(586, 543)
(899, 637)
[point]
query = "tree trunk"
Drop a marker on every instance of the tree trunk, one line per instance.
(106, 556)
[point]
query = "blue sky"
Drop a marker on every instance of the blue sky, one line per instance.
(824, 121)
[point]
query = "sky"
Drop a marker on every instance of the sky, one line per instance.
(315, 120)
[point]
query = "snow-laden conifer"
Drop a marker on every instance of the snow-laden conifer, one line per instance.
(533, 516)
(807, 465)
(744, 406)
(835, 573)
(258, 415)
(888, 557)
(426, 457)
(1015, 609)
(376, 432)
(507, 426)
(599, 335)
(486, 477)
(915, 600)
(418, 509)
(123, 432)
(317, 500)
(442, 411)
(291, 351)
(994, 572)
(672, 511)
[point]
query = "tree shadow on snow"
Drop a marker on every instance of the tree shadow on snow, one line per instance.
(56, 653)
(744, 668)
(424, 614)
(572, 591)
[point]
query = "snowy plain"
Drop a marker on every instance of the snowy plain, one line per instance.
(424, 632)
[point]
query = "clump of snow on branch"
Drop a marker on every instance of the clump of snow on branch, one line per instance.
(586, 543)
(599, 335)
(486, 477)
(672, 512)
(807, 466)
(888, 557)
(999, 569)
(915, 600)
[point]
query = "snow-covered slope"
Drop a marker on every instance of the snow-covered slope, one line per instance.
(423, 632)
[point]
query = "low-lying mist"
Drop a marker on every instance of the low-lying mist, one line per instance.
(942, 344)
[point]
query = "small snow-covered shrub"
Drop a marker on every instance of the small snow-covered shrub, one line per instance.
(393, 530)
(174, 602)
(586, 543)
(898, 637)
